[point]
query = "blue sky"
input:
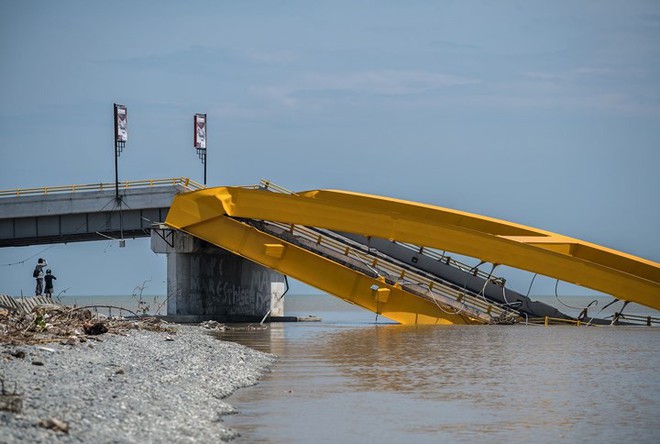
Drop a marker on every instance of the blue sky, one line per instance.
(542, 113)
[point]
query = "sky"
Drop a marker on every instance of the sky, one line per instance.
(541, 113)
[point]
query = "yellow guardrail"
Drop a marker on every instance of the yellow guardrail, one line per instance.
(641, 319)
(548, 320)
(631, 319)
(103, 186)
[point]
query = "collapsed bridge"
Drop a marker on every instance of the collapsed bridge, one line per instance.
(383, 254)
(229, 250)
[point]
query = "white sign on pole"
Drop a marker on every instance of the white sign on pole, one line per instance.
(121, 124)
(200, 131)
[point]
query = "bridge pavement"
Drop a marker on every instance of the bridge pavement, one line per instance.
(85, 212)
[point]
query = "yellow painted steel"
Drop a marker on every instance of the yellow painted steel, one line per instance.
(622, 275)
(343, 282)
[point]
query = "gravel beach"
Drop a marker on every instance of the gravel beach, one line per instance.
(139, 387)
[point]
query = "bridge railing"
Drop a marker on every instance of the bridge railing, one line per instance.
(427, 251)
(268, 185)
(438, 289)
(103, 186)
(443, 257)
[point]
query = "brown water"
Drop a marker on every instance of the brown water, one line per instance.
(347, 379)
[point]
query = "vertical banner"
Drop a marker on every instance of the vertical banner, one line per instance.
(200, 131)
(121, 123)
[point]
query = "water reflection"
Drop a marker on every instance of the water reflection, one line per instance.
(424, 360)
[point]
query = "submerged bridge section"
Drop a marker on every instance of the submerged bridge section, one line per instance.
(324, 238)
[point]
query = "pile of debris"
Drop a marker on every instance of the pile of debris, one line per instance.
(29, 323)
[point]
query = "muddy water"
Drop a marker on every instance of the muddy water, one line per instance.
(349, 379)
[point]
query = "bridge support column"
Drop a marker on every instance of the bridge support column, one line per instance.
(207, 282)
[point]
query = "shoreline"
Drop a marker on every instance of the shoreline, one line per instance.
(136, 386)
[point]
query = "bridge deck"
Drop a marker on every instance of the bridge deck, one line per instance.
(208, 214)
(85, 212)
(252, 222)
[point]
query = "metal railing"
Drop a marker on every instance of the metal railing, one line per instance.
(442, 257)
(629, 319)
(636, 319)
(268, 185)
(436, 289)
(184, 182)
(549, 320)
(426, 251)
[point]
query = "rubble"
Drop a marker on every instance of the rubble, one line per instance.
(55, 424)
(10, 401)
(50, 323)
(132, 387)
(213, 325)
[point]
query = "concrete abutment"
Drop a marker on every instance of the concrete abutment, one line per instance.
(207, 282)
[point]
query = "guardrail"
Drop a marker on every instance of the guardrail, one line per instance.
(630, 319)
(426, 251)
(549, 320)
(268, 185)
(442, 257)
(639, 319)
(103, 186)
(438, 290)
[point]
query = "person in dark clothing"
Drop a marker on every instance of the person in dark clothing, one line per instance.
(49, 283)
(38, 274)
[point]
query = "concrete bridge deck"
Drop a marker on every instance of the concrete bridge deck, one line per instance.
(86, 212)
(203, 282)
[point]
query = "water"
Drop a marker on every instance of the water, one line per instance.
(347, 379)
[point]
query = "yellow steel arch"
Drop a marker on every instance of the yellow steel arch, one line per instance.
(622, 275)
(390, 301)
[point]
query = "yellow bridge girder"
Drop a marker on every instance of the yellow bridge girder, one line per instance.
(621, 275)
(354, 287)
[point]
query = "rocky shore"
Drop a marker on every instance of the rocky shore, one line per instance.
(134, 387)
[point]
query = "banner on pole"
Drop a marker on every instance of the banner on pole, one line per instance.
(121, 123)
(200, 131)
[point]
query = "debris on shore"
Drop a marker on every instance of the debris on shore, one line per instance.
(10, 401)
(75, 374)
(58, 323)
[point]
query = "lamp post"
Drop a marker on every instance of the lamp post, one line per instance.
(121, 136)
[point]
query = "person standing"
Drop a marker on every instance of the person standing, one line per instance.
(48, 291)
(38, 274)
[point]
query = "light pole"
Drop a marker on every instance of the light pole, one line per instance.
(121, 136)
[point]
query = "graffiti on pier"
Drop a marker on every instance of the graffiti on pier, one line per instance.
(230, 285)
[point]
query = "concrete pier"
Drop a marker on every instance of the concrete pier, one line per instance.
(206, 282)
